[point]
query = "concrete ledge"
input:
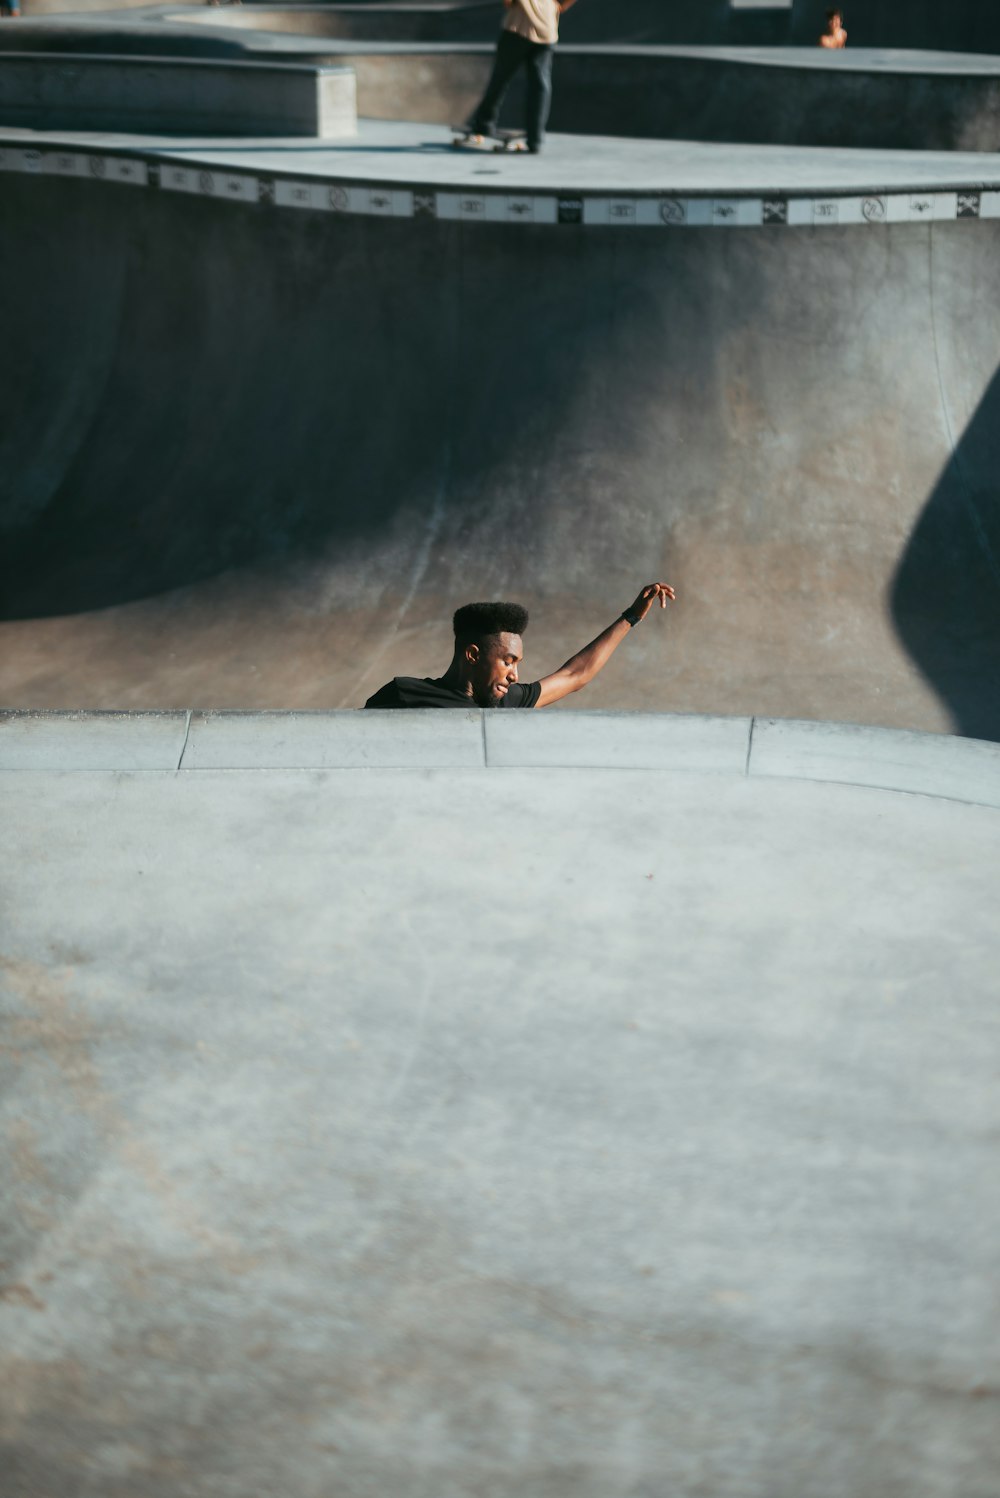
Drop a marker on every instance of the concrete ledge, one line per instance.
(176, 96)
(92, 741)
(779, 100)
(616, 741)
(335, 741)
(925, 764)
(890, 759)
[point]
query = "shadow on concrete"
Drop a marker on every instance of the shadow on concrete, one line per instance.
(203, 387)
(945, 596)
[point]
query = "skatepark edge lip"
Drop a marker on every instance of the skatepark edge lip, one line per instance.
(591, 168)
(945, 767)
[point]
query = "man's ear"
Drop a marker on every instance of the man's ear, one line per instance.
(472, 654)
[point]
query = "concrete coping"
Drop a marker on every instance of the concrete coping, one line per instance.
(66, 63)
(938, 765)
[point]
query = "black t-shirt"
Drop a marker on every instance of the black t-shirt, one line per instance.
(424, 691)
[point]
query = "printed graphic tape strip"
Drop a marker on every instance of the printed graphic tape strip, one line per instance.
(485, 206)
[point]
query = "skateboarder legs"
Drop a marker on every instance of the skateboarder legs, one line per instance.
(527, 40)
(489, 649)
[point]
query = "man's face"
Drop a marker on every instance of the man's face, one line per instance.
(836, 21)
(493, 668)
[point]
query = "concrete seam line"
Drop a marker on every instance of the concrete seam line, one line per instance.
(872, 785)
(939, 766)
(859, 785)
(187, 735)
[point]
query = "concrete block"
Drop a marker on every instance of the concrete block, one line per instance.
(336, 101)
(176, 96)
(619, 741)
(925, 763)
(335, 741)
(91, 741)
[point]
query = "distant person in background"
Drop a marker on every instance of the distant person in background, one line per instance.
(834, 37)
(10, 8)
(489, 650)
(527, 40)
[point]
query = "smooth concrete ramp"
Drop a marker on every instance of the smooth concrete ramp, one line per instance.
(605, 1107)
(357, 388)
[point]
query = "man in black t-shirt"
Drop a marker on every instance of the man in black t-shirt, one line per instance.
(488, 650)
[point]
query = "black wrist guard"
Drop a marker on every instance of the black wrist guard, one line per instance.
(631, 617)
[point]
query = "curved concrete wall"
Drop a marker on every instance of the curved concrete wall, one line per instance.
(796, 426)
(775, 99)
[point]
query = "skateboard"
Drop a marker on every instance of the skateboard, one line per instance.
(467, 139)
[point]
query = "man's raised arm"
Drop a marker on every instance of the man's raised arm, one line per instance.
(584, 666)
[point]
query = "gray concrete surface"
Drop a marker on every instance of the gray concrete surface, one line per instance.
(944, 766)
(450, 1104)
(92, 741)
(633, 741)
(585, 1132)
(863, 97)
(181, 96)
(205, 506)
(923, 764)
(798, 96)
(787, 96)
(417, 155)
(858, 98)
(218, 741)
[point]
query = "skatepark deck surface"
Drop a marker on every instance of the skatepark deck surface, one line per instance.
(415, 154)
(491, 1104)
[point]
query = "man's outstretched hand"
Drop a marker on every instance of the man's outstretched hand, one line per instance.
(584, 666)
(649, 595)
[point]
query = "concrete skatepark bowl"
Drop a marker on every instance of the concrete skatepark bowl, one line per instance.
(796, 416)
(594, 1103)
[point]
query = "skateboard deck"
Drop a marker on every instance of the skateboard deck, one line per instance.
(465, 138)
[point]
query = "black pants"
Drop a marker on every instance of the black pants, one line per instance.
(515, 52)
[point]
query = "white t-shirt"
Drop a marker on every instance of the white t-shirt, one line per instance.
(537, 20)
